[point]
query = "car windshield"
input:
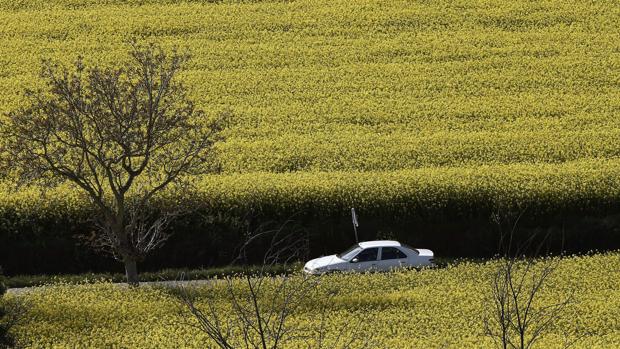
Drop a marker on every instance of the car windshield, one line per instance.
(349, 253)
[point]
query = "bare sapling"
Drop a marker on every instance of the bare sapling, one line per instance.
(516, 317)
(258, 310)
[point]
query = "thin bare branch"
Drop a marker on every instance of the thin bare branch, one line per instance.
(261, 306)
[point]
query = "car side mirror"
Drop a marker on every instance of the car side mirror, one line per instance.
(355, 260)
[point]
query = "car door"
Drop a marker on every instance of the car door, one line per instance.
(366, 259)
(391, 258)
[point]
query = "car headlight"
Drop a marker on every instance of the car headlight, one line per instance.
(315, 270)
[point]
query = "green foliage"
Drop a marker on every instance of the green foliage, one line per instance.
(5, 339)
(19, 281)
(2, 284)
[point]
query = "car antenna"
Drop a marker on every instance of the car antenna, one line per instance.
(355, 223)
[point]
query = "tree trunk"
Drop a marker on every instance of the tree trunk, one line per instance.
(131, 271)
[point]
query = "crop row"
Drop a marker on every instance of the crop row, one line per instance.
(584, 184)
(360, 150)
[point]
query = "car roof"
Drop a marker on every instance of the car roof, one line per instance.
(379, 243)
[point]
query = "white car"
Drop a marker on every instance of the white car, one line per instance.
(371, 255)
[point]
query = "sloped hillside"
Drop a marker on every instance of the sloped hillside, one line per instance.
(368, 103)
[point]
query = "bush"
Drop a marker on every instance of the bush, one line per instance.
(5, 340)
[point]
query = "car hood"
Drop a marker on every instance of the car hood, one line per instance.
(324, 261)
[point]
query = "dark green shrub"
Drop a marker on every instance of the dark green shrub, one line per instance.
(5, 340)
(2, 284)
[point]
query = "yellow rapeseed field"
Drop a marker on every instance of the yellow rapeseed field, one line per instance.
(457, 101)
(436, 308)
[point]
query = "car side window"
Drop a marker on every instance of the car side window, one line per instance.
(368, 255)
(392, 253)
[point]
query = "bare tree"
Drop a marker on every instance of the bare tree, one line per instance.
(121, 135)
(515, 317)
(255, 309)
